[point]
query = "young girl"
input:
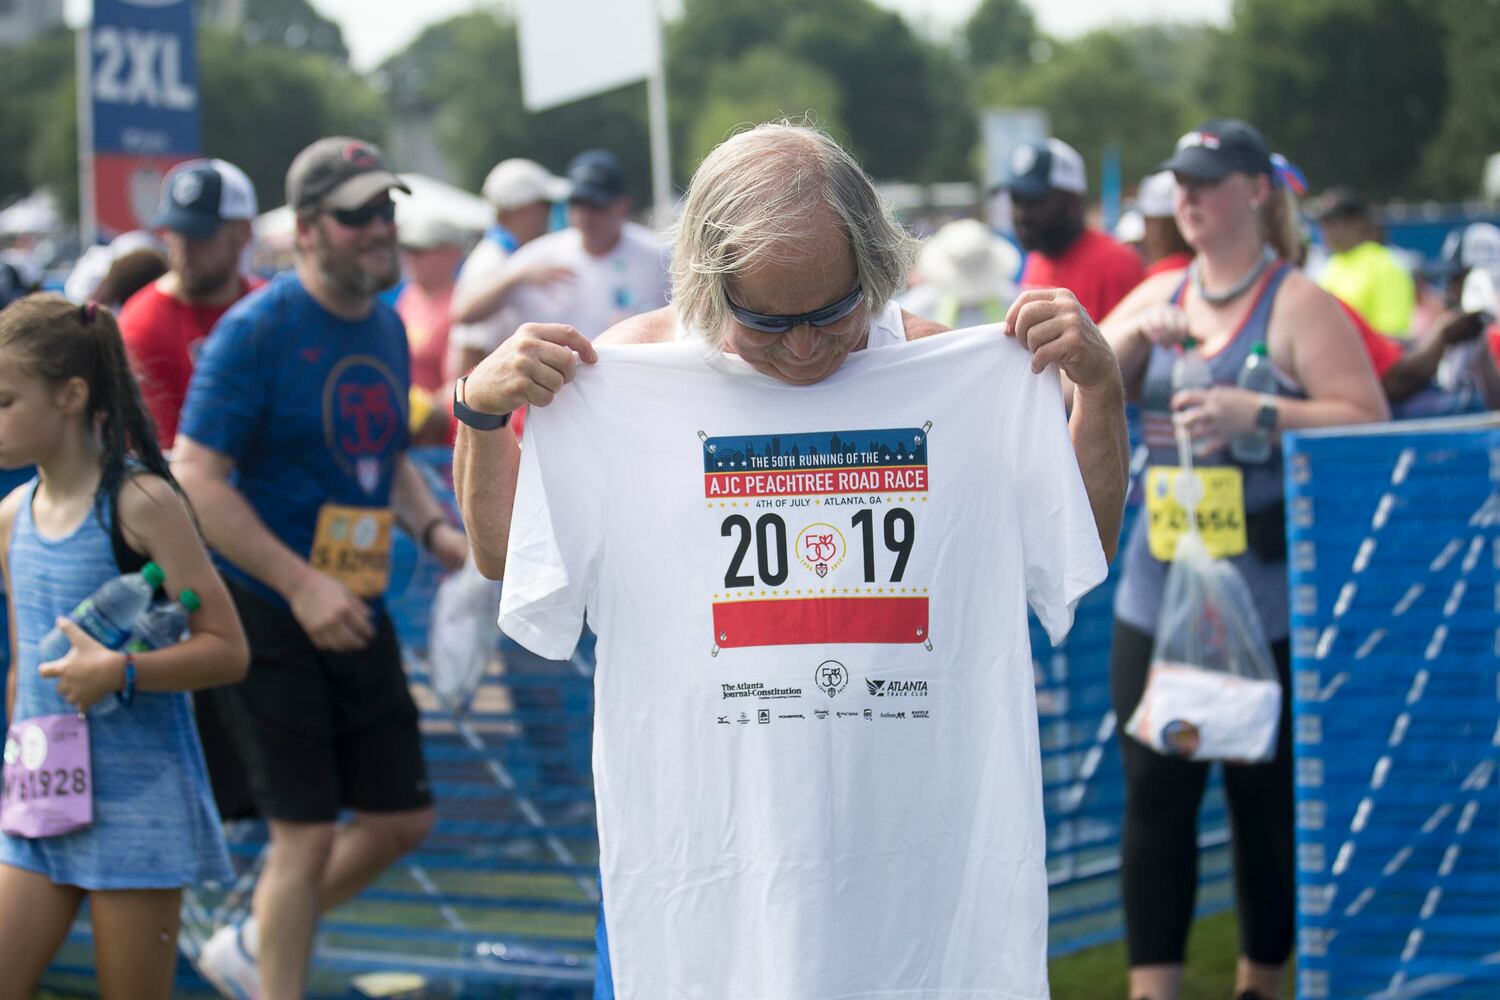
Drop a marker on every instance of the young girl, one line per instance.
(69, 404)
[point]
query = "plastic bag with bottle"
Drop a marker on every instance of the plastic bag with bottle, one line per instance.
(1212, 692)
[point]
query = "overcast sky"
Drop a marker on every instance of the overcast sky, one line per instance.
(375, 29)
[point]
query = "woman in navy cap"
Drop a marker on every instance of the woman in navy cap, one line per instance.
(1240, 292)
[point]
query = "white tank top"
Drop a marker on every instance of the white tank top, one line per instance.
(887, 329)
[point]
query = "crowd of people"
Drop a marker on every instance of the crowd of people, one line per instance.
(785, 295)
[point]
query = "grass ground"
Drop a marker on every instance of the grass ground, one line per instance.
(1099, 973)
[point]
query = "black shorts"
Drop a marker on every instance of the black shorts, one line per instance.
(318, 731)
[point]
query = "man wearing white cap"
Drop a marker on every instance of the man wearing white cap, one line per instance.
(206, 210)
(1046, 182)
(523, 193)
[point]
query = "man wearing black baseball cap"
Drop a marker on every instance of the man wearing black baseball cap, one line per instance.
(293, 451)
(1047, 183)
(206, 210)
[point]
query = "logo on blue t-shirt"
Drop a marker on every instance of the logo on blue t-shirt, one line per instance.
(362, 417)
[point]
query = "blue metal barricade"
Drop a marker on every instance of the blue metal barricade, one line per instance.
(1395, 544)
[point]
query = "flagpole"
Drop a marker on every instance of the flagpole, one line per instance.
(88, 219)
(661, 152)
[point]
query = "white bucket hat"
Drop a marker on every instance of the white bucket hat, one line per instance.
(967, 262)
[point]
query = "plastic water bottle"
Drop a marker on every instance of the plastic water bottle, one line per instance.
(109, 613)
(1190, 371)
(1254, 448)
(163, 625)
(158, 627)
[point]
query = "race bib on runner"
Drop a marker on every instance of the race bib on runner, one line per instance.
(815, 532)
(353, 545)
(49, 786)
(1221, 509)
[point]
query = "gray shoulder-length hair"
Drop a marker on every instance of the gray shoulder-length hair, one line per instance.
(750, 199)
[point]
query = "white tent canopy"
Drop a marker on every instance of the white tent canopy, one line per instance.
(431, 199)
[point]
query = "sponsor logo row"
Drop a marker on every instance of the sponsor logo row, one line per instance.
(831, 677)
(763, 716)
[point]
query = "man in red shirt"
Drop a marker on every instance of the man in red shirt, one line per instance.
(1046, 182)
(206, 208)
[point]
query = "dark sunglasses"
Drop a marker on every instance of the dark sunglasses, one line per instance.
(773, 323)
(358, 218)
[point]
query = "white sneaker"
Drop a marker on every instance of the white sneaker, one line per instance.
(224, 962)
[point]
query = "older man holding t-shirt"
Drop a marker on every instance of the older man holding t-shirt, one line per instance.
(772, 857)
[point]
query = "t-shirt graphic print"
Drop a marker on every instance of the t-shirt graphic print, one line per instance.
(810, 504)
(815, 746)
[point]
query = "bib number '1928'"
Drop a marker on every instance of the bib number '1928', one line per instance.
(49, 787)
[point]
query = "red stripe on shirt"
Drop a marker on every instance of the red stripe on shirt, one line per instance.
(798, 622)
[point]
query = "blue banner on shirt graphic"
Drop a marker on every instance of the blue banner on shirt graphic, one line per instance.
(894, 446)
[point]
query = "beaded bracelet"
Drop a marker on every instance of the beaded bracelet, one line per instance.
(126, 694)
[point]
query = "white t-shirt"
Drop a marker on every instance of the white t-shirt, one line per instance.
(632, 278)
(480, 268)
(816, 755)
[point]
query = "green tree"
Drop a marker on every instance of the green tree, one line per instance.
(877, 62)
(762, 85)
(1000, 33)
(1096, 95)
(881, 67)
(1470, 130)
(29, 78)
(955, 127)
(465, 73)
(1179, 58)
(292, 24)
(52, 156)
(1351, 90)
(263, 104)
(259, 107)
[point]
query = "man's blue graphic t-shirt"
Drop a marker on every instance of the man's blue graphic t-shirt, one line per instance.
(311, 407)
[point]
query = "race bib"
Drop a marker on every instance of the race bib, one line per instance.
(815, 533)
(1220, 504)
(353, 545)
(49, 786)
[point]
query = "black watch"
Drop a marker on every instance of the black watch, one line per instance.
(466, 413)
(1268, 415)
